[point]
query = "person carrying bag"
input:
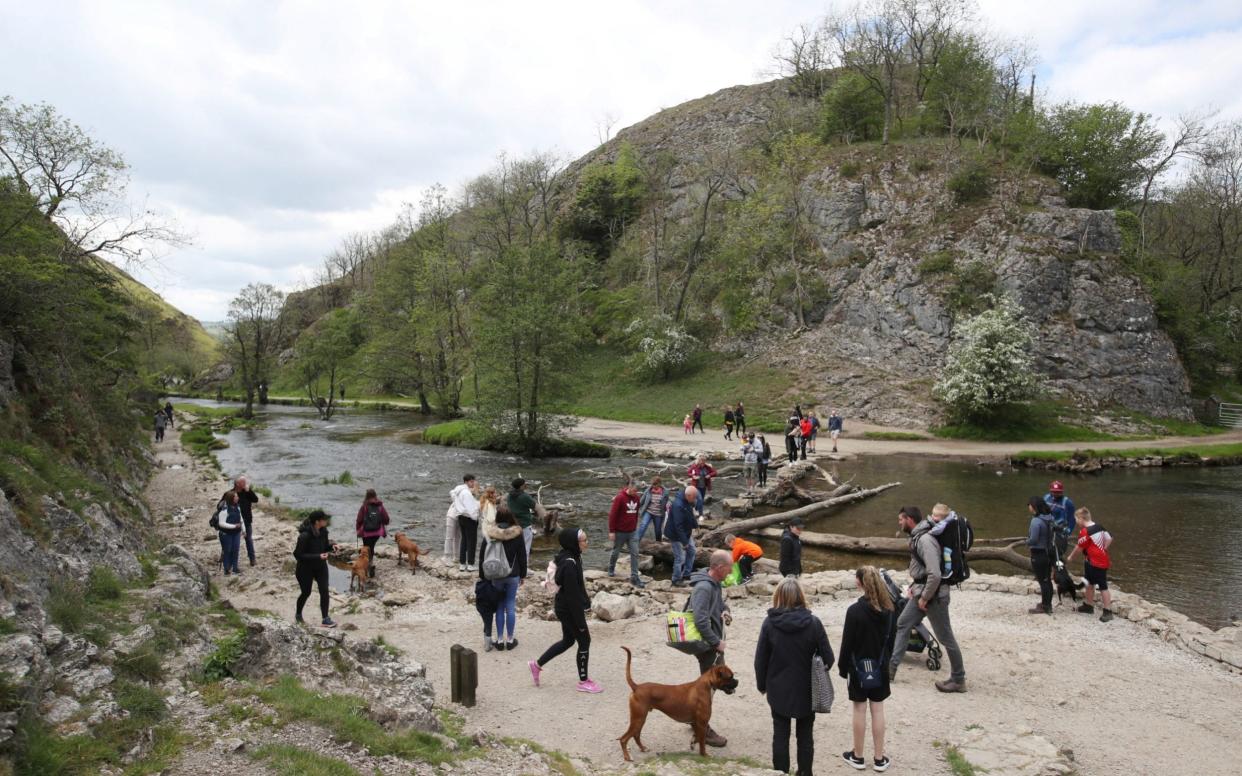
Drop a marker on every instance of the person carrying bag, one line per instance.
(865, 642)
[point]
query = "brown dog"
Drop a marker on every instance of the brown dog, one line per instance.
(408, 548)
(359, 568)
(690, 702)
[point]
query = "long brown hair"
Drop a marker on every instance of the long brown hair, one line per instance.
(490, 496)
(788, 595)
(874, 588)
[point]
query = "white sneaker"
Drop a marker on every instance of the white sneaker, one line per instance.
(470, 567)
(461, 566)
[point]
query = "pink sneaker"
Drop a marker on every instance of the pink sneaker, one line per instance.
(587, 685)
(535, 671)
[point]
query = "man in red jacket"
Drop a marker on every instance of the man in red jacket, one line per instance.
(623, 530)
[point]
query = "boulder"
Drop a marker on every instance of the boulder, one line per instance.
(610, 607)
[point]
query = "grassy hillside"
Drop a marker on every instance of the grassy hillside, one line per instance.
(172, 338)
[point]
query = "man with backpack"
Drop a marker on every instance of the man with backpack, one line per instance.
(246, 499)
(1062, 510)
(929, 590)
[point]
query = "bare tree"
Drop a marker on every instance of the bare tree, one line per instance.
(254, 333)
(806, 58)
(870, 40)
(1191, 138)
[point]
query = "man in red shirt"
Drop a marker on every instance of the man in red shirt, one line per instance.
(1093, 540)
(623, 530)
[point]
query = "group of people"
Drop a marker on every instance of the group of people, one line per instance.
(1054, 520)
(163, 420)
(802, 432)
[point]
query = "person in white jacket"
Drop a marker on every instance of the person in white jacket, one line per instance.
(461, 526)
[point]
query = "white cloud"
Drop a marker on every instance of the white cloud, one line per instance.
(269, 130)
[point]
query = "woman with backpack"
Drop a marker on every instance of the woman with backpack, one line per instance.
(865, 642)
(1039, 542)
(504, 549)
(371, 524)
(311, 553)
(230, 531)
(570, 607)
(789, 639)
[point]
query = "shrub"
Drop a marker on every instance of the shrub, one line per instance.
(1097, 152)
(102, 585)
(970, 184)
(219, 664)
(849, 169)
(850, 110)
(937, 263)
(664, 346)
(989, 365)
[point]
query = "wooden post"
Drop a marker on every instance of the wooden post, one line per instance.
(469, 676)
(455, 671)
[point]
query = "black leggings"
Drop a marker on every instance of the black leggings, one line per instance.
(573, 629)
(791, 448)
(306, 574)
(805, 727)
(746, 565)
(369, 543)
(469, 539)
(1041, 564)
(763, 474)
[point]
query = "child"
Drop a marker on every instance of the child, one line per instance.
(687, 425)
(1094, 541)
(744, 555)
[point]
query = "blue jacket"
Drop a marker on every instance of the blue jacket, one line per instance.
(1062, 514)
(834, 422)
(681, 521)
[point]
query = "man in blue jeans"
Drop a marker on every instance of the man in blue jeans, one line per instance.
(680, 532)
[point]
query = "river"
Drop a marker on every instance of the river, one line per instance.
(1177, 532)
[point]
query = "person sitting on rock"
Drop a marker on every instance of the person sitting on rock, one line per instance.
(744, 554)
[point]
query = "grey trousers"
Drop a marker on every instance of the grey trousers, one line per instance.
(938, 617)
(628, 539)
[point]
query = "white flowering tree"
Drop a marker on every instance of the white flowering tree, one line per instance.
(989, 365)
(663, 346)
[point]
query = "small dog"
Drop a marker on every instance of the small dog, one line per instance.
(1066, 586)
(408, 548)
(690, 702)
(359, 570)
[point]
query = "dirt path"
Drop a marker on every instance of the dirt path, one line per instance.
(672, 441)
(1122, 700)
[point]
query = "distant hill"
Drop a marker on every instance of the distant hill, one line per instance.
(171, 336)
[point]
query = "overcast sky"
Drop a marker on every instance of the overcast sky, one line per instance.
(269, 130)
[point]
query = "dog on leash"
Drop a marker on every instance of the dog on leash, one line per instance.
(359, 570)
(1066, 586)
(690, 702)
(407, 548)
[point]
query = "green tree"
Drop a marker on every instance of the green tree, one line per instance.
(851, 110)
(1099, 153)
(989, 364)
(608, 198)
(320, 356)
(254, 331)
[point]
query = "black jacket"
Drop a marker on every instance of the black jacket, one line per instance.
(514, 544)
(788, 640)
(571, 597)
(311, 545)
(245, 500)
(791, 554)
(864, 635)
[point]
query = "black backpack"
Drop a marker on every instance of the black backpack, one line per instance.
(373, 519)
(955, 540)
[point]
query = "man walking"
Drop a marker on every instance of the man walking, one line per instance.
(791, 549)
(834, 428)
(161, 420)
(928, 597)
(679, 528)
(623, 531)
(697, 415)
(522, 505)
(739, 417)
(246, 499)
(711, 614)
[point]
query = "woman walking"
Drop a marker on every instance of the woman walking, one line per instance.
(1039, 541)
(865, 642)
(371, 524)
(505, 531)
(652, 506)
(789, 638)
(311, 553)
(570, 607)
(230, 532)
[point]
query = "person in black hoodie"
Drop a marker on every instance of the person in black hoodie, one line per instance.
(311, 552)
(570, 607)
(789, 638)
(1040, 542)
(868, 633)
(509, 534)
(791, 549)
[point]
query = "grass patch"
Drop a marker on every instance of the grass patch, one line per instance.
(894, 436)
(958, 762)
(344, 717)
(344, 478)
(7, 626)
(291, 761)
(1035, 422)
(559, 761)
(465, 433)
(1233, 450)
(384, 645)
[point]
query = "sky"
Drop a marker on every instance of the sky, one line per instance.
(267, 131)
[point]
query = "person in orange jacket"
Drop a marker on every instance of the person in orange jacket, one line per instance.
(744, 554)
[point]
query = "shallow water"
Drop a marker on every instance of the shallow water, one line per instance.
(1177, 532)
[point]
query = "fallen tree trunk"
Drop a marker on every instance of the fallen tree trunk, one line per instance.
(714, 537)
(896, 546)
(663, 552)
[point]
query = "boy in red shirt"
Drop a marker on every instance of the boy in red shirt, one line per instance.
(744, 554)
(1094, 541)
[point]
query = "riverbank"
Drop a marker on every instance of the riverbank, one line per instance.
(1063, 678)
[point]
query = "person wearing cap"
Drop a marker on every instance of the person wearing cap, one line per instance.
(791, 549)
(1062, 509)
(522, 505)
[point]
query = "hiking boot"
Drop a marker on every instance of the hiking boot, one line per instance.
(1086, 608)
(680, 583)
(881, 765)
(588, 685)
(535, 671)
(951, 686)
(715, 739)
(1039, 609)
(1107, 615)
(854, 760)
(638, 583)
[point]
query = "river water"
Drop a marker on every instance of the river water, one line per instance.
(1177, 532)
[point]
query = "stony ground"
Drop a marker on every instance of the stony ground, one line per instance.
(1053, 694)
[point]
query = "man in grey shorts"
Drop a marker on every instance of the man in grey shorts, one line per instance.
(927, 596)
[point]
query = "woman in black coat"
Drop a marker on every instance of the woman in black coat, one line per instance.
(790, 637)
(868, 635)
(570, 607)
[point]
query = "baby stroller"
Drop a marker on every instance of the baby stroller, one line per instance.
(920, 637)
